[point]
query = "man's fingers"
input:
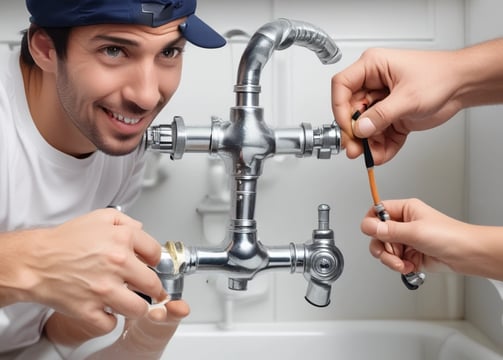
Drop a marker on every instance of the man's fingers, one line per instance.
(119, 218)
(141, 278)
(102, 320)
(147, 248)
(127, 303)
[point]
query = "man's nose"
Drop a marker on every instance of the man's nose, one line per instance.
(143, 88)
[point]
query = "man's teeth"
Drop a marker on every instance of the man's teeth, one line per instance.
(125, 119)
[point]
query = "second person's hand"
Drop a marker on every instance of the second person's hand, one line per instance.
(404, 91)
(426, 239)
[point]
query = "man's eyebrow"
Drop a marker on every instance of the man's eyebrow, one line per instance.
(115, 40)
(123, 41)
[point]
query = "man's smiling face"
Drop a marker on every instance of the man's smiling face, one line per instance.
(115, 80)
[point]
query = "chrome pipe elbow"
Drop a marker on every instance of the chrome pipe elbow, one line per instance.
(279, 35)
(173, 265)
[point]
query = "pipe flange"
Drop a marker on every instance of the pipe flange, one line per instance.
(179, 137)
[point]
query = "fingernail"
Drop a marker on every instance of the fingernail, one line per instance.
(365, 127)
(382, 228)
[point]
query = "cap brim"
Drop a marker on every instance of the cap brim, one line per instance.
(200, 34)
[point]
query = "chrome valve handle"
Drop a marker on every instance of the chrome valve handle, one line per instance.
(324, 261)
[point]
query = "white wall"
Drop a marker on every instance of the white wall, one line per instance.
(484, 173)
(14, 19)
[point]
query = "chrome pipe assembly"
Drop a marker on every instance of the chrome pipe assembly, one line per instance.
(244, 143)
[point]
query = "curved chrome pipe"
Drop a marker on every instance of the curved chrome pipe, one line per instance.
(278, 35)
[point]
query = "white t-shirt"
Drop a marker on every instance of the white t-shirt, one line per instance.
(41, 186)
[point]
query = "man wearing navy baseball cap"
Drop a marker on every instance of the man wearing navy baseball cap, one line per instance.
(75, 101)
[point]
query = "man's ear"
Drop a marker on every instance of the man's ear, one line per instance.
(42, 51)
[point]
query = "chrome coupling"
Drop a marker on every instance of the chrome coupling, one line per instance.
(325, 141)
(167, 138)
(172, 267)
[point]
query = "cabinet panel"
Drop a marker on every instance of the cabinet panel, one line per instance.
(365, 19)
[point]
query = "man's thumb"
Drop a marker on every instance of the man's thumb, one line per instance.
(377, 118)
(364, 128)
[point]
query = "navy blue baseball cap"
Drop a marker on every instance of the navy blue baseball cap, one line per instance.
(70, 13)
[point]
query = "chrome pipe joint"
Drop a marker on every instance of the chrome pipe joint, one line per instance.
(318, 259)
(244, 143)
(176, 139)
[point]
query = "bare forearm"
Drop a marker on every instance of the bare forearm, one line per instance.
(481, 252)
(15, 277)
(481, 73)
